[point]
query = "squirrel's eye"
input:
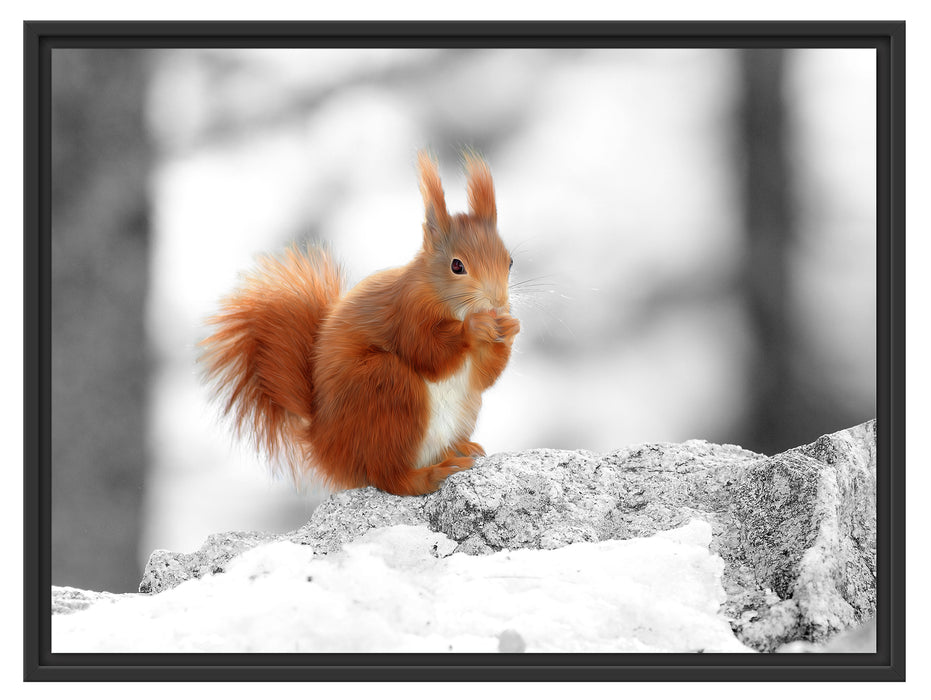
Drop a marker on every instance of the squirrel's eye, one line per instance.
(511, 264)
(458, 267)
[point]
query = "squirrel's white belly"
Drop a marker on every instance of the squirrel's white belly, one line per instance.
(453, 410)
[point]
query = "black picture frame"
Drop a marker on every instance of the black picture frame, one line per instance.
(887, 664)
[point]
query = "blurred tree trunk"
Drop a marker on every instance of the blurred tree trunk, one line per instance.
(100, 237)
(769, 227)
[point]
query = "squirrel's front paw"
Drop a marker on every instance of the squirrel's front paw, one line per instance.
(508, 327)
(483, 326)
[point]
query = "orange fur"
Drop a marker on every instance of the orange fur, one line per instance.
(356, 386)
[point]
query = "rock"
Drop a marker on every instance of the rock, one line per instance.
(543, 499)
(347, 515)
(67, 600)
(859, 640)
(166, 569)
(806, 530)
(797, 531)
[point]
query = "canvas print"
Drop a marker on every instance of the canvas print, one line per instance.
(464, 350)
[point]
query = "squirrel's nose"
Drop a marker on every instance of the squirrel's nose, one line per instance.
(497, 298)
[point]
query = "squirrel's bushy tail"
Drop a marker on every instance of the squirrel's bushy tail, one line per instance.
(259, 356)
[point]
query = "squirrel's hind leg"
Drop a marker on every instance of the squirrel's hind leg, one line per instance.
(467, 448)
(371, 418)
(428, 479)
(417, 482)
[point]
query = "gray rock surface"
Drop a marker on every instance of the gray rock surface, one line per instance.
(166, 569)
(806, 531)
(797, 531)
(67, 600)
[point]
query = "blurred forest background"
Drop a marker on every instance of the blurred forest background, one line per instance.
(701, 223)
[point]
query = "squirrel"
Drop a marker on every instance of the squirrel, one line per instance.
(381, 385)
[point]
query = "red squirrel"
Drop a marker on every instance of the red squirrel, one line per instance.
(380, 386)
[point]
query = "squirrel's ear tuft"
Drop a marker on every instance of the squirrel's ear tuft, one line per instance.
(481, 188)
(436, 218)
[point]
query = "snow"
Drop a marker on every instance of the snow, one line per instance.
(398, 589)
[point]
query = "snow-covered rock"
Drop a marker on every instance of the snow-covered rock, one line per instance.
(794, 536)
(399, 589)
